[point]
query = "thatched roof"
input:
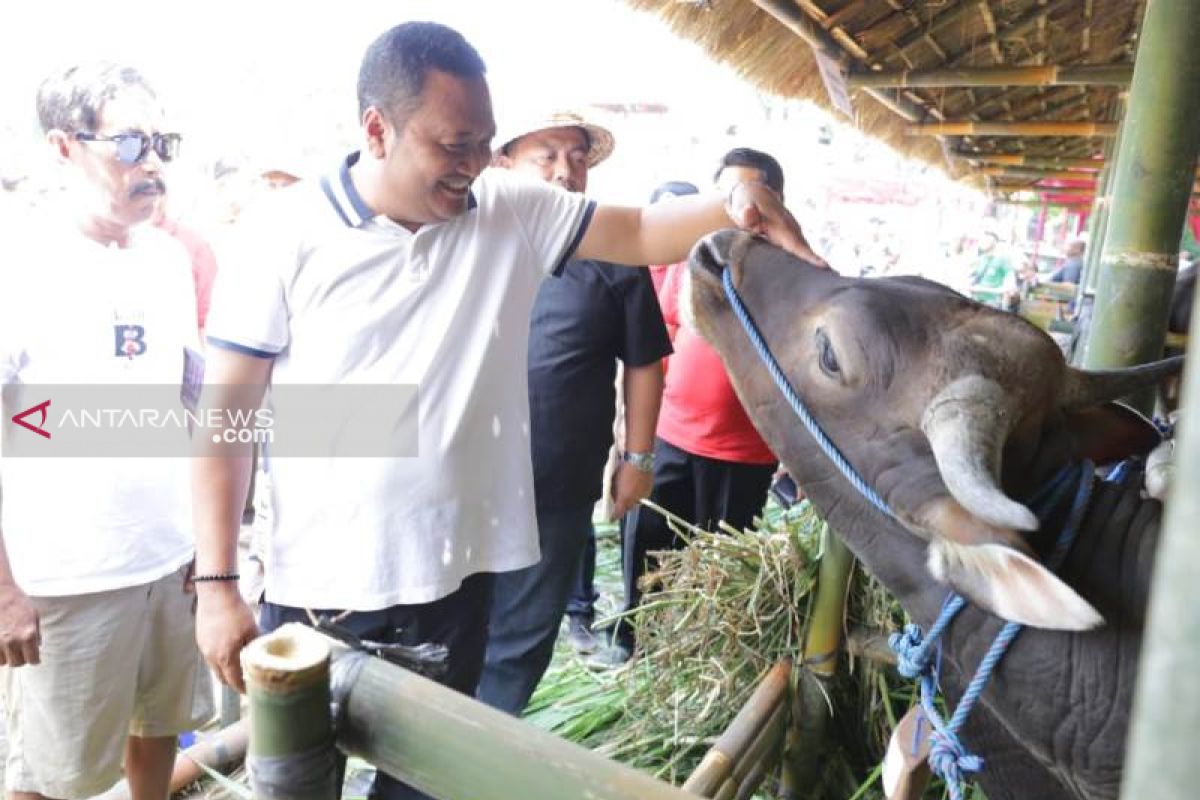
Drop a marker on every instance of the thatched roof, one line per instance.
(873, 36)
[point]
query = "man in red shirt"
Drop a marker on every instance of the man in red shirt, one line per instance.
(710, 464)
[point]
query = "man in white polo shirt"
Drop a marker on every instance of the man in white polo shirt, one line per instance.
(409, 266)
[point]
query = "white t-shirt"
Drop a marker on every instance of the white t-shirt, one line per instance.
(67, 305)
(336, 297)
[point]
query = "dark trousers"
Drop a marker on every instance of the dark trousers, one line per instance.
(581, 602)
(458, 621)
(527, 610)
(703, 491)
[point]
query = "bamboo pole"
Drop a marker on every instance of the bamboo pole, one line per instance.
(822, 643)
(790, 15)
(871, 645)
(767, 742)
(221, 751)
(1153, 178)
(1018, 27)
(1050, 75)
(450, 746)
(946, 17)
(291, 755)
(1036, 174)
(1092, 165)
(1097, 227)
(1161, 760)
(1018, 160)
(720, 762)
(824, 638)
(1026, 128)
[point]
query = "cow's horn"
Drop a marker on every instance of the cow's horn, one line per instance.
(967, 424)
(1084, 389)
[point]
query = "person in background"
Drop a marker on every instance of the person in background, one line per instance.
(711, 465)
(1071, 269)
(992, 276)
(585, 321)
(96, 601)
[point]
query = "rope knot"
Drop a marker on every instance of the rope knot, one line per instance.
(910, 661)
(950, 760)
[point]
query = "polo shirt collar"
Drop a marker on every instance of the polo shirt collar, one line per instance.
(349, 204)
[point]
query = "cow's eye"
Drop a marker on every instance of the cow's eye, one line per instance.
(829, 362)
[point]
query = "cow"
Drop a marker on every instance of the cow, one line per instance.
(953, 412)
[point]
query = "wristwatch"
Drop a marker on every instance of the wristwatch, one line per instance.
(642, 462)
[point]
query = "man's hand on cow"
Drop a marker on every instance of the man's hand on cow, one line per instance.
(756, 207)
(20, 631)
(630, 486)
(224, 625)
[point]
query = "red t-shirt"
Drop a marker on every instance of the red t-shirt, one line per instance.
(204, 265)
(701, 412)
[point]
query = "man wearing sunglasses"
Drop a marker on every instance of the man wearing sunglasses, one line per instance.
(96, 604)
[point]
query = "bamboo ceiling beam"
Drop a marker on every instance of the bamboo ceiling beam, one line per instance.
(947, 17)
(836, 19)
(790, 15)
(844, 39)
(1017, 27)
(1035, 173)
(989, 20)
(1004, 98)
(1026, 128)
(1050, 75)
(1018, 160)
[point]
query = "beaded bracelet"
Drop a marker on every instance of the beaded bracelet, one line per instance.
(226, 576)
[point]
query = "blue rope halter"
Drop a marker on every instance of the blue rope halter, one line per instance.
(920, 656)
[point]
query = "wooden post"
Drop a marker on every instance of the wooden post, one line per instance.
(1050, 75)
(291, 755)
(1152, 181)
(1161, 760)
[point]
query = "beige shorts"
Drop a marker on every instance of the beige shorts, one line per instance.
(113, 664)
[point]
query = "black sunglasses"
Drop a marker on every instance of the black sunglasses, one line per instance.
(134, 146)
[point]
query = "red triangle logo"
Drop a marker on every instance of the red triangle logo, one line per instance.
(38, 429)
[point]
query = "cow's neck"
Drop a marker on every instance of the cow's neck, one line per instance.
(887, 550)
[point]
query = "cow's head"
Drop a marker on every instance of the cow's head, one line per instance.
(948, 409)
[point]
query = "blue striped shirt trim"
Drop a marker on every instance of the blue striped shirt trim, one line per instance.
(359, 212)
(569, 253)
(225, 344)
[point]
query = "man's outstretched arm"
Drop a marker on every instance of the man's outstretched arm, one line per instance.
(220, 479)
(664, 233)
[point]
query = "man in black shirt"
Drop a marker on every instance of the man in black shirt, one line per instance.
(583, 322)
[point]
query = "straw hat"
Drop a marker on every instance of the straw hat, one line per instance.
(600, 139)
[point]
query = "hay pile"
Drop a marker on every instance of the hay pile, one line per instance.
(716, 616)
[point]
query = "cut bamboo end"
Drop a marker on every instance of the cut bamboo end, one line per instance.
(290, 658)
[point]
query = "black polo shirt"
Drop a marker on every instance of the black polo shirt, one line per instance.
(583, 321)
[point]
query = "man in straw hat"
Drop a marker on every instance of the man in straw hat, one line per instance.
(406, 265)
(593, 315)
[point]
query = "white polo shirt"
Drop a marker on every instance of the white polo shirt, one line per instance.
(336, 295)
(75, 312)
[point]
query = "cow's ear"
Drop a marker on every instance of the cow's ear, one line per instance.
(1011, 585)
(1111, 432)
